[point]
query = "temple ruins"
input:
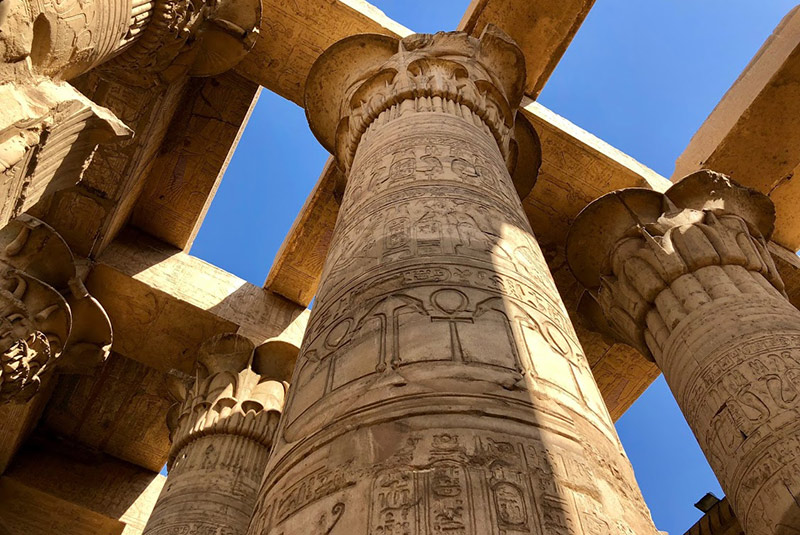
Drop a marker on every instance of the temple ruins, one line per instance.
(493, 286)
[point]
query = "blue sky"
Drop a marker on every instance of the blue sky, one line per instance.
(641, 74)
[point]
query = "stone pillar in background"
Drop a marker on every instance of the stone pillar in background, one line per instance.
(440, 388)
(686, 278)
(222, 431)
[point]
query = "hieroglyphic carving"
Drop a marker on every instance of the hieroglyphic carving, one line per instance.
(686, 277)
(45, 312)
(222, 431)
(440, 381)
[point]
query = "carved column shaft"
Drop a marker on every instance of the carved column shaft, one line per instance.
(222, 433)
(688, 280)
(440, 388)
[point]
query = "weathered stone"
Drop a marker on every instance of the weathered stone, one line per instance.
(686, 277)
(222, 431)
(543, 29)
(198, 145)
(440, 382)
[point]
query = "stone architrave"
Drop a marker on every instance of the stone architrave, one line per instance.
(685, 277)
(48, 320)
(49, 130)
(440, 387)
(222, 431)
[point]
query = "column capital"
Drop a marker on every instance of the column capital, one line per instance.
(48, 321)
(238, 389)
(706, 234)
(371, 79)
(189, 37)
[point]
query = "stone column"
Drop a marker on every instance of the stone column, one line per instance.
(686, 278)
(440, 388)
(221, 433)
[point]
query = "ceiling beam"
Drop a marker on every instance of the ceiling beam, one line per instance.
(752, 134)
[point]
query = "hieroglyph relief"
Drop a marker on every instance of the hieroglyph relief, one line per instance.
(440, 387)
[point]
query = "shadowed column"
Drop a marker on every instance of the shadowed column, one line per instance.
(221, 437)
(440, 388)
(686, 278)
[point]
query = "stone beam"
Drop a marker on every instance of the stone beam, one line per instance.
(298, 264)
(294, 34)
(17, 421)
(749, 135)
(193, 157)
(54, 487)
(91, 213)
(719, 520)
(119, 410)
(164, 303)
(542, 28)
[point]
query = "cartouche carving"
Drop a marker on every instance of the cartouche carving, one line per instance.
(48, 321)
(222, 431)
(686, 278)
(440, 387)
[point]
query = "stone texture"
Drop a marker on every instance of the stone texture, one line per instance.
(190, 163)
(222, 431)
(686, 277)
(543, 29)
(440, 387)
(166, 303)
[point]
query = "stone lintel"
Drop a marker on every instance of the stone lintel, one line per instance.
(542, 28)
(297, 269)
(294, 34)
(89, 215)
(164, 303)
(59, 488)
(193, 157)
(748, 136)
(17, 421)
(719, 520)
